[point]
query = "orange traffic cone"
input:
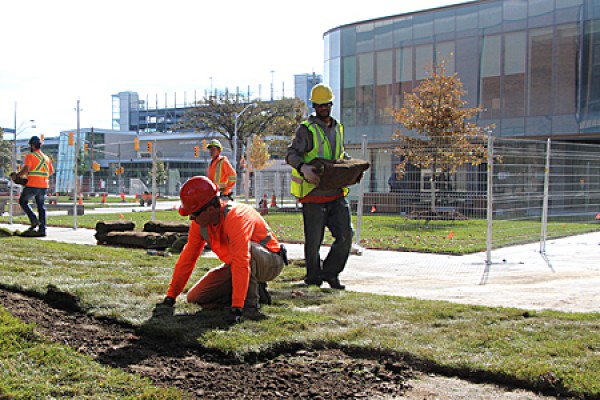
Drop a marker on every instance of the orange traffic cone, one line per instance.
(273, 201)
(373, 209)
(80, 202)
(104, 198)
(451, 235)
(121, 216)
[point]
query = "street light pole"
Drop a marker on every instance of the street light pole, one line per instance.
(235, 135)
(14, 165)
(75, 162)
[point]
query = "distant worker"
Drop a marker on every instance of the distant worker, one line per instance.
(220, 170)
(37, 169)
(321, 136)
(240, 237)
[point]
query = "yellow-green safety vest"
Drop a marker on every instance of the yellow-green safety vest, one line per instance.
(321, 149)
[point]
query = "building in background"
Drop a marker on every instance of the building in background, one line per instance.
(122, 167)
(303, 84)
(531, 64)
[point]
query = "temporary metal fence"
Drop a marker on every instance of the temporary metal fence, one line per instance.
(527, 191)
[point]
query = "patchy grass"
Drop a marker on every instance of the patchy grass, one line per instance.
(560, 351)
(33, 368)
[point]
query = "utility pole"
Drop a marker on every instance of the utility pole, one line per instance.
(154, 182)
(75, 161)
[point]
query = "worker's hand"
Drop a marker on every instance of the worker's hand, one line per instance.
(164, 308)
(168, 301)
(234, 315)
(309, 174)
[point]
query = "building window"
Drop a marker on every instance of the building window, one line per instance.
(565, 69)
(515, 59)
(349, 91)
(404, 74)
(540, 72)
(383, 89)
(364, 96)
(490, 77)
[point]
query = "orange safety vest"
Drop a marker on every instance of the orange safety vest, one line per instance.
(221, 172)
(230, 240)
(40, 169)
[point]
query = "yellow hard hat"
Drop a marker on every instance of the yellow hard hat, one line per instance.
(214, 143)
(321, 94)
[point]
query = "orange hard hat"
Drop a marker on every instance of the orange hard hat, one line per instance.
(195, 193)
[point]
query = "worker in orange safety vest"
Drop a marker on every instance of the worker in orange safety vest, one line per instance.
(240, 237)
(37, 168)
(220, 170)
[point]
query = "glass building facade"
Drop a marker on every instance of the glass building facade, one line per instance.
(531, 64)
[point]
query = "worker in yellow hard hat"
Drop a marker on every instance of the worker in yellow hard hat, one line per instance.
(321, 136)
(220, 170)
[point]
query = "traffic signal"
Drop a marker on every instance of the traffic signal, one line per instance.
(122, 170)
(119, 170)
(204, 144)
(136, 144)
(71, 138)
(196, 151)
(95, 166)
(86, 147)
(149, 147)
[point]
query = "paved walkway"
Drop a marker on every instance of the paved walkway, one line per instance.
(566, 279)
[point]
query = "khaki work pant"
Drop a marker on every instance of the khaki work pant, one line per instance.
(214, 289)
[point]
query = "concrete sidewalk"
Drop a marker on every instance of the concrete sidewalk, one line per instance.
(566, 278)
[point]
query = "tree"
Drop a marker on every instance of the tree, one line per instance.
(217, 114)
(258, 154)
(5, 154)
(442, 136)
(161, 174)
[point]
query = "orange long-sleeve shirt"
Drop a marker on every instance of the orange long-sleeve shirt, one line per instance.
(230, 240)
(221, 172)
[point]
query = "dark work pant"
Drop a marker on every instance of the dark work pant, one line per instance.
(334, 215)
(39, 194)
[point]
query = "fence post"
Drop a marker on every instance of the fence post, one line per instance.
(361, 192)
(543, 233)
(490, 193)
(247, 170)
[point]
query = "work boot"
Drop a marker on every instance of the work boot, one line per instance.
(264, 297)
(335, 283)
(33, 227)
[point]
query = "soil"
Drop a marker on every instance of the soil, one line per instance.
(298, 374)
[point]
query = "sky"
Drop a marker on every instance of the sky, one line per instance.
(56, 53)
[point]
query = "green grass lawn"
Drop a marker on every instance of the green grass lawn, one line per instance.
(392, 232)
(513, 344)
(34, 368)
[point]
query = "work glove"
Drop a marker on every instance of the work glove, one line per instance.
(164, 308)
(234, 315)
(309, 174)
(168, 301)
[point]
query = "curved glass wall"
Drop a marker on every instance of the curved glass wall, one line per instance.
(532, 65)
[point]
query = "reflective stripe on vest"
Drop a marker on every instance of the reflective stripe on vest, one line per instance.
(218, 173)
(321, 149)
(41, 169)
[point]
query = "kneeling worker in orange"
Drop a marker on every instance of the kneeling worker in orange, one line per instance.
(240, 237)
